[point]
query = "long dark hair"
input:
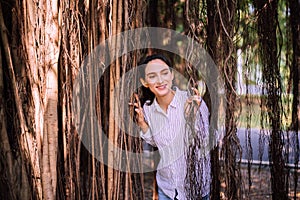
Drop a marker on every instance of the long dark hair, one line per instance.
(146, 96)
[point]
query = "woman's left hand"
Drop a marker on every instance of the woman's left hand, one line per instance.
(193, 101)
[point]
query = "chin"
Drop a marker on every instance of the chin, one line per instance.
(162, 93)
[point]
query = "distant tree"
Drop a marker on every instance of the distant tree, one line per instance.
(213, 27)
(267, 25)
(294, 7)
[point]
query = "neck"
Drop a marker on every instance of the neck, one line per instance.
(165, 101)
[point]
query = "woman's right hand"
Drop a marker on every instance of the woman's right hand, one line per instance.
(140, 118)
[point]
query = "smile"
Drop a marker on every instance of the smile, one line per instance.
(161, 87)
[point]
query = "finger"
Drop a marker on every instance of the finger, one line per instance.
(133, 104)
(195, 91)
(189, 101)
(137, 99)
(140, 113)
(196, 99)
(139, 110)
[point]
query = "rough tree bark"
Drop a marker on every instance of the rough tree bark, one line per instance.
(231, 149)
(5, 148)
(28, 12)
(295, 72)
(295, 23)
(40, 42)
(213, 25)
(267, 25)
(50, 139)
(25, 140)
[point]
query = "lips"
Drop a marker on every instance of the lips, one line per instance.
(161, 87)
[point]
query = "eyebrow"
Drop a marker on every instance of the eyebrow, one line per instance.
(150, 73)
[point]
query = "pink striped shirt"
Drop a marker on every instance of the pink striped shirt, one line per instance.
(167, 132)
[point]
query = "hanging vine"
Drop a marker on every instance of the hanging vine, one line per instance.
(267, 24)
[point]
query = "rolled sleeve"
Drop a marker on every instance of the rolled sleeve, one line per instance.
(148, 137)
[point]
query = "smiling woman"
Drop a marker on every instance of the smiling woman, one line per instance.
(163, 125)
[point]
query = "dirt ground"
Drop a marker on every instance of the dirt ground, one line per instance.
(260, 189)
(261, 183)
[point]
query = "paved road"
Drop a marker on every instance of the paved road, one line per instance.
(255, 136)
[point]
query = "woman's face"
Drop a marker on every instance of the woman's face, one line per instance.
(158, 77)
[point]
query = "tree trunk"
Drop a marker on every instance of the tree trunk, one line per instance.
(25, 139)
(295, 72)
(213, 25)
(267, 25)
(46, 88)
(52, 50)
(295, 23)
(6, 157)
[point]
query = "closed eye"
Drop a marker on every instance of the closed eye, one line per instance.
(151, 76)
(165, 72)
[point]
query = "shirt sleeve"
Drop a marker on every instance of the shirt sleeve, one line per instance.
(148, 137)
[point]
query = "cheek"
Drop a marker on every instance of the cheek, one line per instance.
(151, 86)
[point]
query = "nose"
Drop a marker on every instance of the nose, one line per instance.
(159, 79)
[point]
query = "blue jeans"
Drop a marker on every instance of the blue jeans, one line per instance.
(163, 196)
(206, 197)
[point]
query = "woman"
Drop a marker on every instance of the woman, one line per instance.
(163, 125)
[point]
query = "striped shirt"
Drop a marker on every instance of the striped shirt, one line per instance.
(167, 133)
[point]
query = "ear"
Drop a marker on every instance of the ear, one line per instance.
(144, 83)
(172, 75)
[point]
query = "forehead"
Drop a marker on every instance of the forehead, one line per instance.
(155, 65)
